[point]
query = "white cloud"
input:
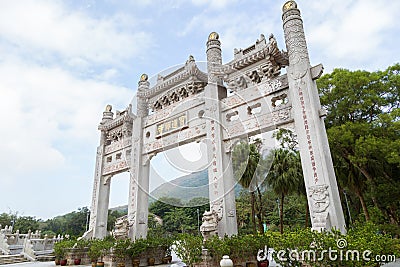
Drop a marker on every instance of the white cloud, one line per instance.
(352, 32)
(49, 26)
(220, 4)
(237, 28)
(45, 108)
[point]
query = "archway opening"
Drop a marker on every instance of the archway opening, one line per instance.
(180, 173)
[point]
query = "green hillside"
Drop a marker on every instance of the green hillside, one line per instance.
(186, 187)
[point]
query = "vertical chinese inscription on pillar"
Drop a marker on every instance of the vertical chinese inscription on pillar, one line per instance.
(307, 134)
(95, 186)
(214, 159)
(133, 175)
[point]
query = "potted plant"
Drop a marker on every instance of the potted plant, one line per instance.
(103, 247)
(58, 252)
(79, 246)
(120, 250)
(152, 246)
(94, 251)
(218, 248)
(136, 248)
(98, 249)
(166, 244)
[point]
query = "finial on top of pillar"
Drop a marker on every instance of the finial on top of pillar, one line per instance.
(144, 80)
(214, 56)
(107, 114)
(289, 5)
(213, 41)
(144, 85)
(213, 36)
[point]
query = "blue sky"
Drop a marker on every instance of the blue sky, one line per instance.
(62, 62)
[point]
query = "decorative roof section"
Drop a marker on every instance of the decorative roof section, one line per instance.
(110, 122)
(188, 72)
(259, 61)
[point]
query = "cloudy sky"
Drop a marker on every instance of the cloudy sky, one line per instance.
(61, 62)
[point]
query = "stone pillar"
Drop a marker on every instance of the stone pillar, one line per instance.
(139, 171)
(101, 187)
(220, 172)
(322, 191)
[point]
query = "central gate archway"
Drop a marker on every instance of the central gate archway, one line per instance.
(189, 105)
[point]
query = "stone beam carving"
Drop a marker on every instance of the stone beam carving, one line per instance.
(178, 94)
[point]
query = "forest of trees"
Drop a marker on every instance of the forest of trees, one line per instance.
(363, 127)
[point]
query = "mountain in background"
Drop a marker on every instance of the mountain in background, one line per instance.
(187, 187)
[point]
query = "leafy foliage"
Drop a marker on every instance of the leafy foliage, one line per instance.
(285, 175)
(363, 127)
(188, 248)
(178, 218)
(360, 247)
(250, 170)
(241, 248)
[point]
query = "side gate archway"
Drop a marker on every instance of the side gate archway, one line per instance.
(189, 105)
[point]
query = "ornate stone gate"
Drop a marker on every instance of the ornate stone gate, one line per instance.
(189, 105)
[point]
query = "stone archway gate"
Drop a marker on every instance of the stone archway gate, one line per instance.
(188, 105)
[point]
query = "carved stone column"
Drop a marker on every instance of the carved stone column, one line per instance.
(323, 196)
(139, 171)
(101, 186)
(220, 171)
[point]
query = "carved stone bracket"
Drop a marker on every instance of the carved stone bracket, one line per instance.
(131, 218)
(106, 179)
(229, 144)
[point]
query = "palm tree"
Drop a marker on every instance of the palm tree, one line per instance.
(284, 176)
(249, 170)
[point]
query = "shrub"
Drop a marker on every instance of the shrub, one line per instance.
(188, 248)
(331, 248)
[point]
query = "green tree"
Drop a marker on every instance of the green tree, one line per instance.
(163, 205)
(195, 207)
(250, 169)
(285, 175)
(26, 223)
(178, 221)
(363, 127)
(5, 219)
